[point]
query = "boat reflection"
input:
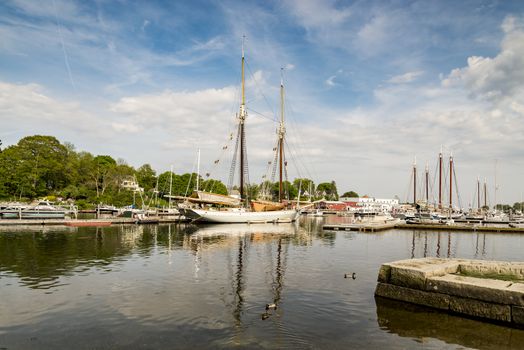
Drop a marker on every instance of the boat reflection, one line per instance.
(420, 323)
(240, 238)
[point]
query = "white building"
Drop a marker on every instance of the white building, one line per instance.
(131, 185)
(370, 205)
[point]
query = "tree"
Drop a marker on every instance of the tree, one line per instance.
(350, 194)
(328, 190)
(103, 170)
(306, 186)
(146, 177)
(35, 166)
(214, 186)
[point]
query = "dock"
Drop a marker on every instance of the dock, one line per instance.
(360, 227)
(423, 227)
(487, 290)
(92, 222)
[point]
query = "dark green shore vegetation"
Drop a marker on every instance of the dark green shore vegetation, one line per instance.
(41, 167)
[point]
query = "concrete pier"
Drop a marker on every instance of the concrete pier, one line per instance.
(488, 290)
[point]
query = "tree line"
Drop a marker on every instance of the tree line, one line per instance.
(40, 166)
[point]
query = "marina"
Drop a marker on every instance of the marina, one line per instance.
(211, 283)
(261, 175)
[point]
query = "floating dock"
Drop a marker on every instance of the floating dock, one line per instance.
(92, 222)
(423, 227)
(360, 227)
(488, 290)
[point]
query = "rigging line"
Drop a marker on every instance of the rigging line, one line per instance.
(190, 177)
(258, 87)
(407, 192)
(294, 126)
(66, 59)
(231, 131)
(263, 115)
(456, 185)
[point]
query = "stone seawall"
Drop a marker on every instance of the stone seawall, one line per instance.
(489, 290)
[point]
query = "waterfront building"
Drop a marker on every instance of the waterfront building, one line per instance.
(370, 205)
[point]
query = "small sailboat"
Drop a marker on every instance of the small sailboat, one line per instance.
(252, 211)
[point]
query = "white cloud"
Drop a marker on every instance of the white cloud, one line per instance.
(497, 78)
(28, 105)
(331, 81)
(405, 78)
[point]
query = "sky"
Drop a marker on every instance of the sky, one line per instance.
(370, 86)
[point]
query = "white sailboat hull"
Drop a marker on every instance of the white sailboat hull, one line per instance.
(241, 216)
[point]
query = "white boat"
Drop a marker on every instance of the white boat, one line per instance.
(39, 210)
(316, 213)
(241, 215)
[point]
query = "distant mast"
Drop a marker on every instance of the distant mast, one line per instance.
(281, 133)
(242, 118)
(478, 192)
(440, 180)
(415, 182)
(485, 192)
(427, 184)
(451, 182)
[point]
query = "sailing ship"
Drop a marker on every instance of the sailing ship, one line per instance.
(259, 211)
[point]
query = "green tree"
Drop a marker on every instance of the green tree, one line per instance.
(307, 186)
(350, 194)
(214, 186)
(36, 166)
(146, 177)
(328, 190)
(103, 173)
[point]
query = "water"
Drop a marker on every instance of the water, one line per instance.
(170, 286)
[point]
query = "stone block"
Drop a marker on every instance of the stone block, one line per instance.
(517, 315)
(480, 309)
(489, 290)
(384, 273)
(413, 273)
(478, 267)
(435, 300)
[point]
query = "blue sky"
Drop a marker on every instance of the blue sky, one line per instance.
(369, 85)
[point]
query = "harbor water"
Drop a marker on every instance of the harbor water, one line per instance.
(186, 286)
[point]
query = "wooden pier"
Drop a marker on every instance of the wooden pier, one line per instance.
(92, 222)
(360, 227)
(437, 227)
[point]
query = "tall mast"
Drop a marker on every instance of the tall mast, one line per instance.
(170, 184)
(496, 186)
(281, 133)
(242, 118)
(427, 184)
(478, 192)
(415, 182)
(451, 181)
(485, 192)
(198, 170)
(440, 179)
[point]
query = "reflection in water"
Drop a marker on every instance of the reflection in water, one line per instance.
(239, 283)
(419, 323)
(207, 286)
